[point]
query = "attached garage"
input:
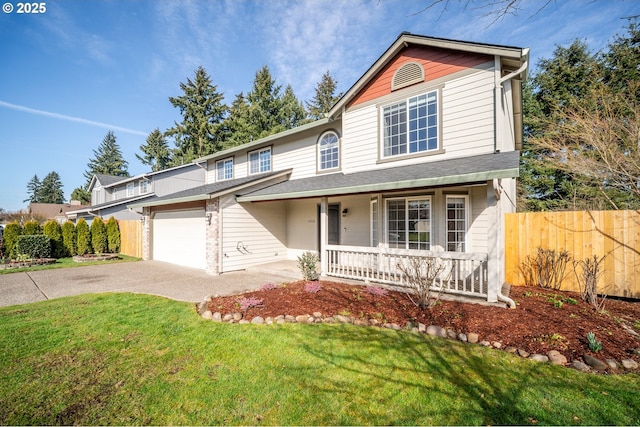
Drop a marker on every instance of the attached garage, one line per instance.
(179, 237)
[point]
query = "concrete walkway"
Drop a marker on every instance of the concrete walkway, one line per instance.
(149, 277)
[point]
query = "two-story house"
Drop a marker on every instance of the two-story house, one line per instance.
(110, 194)
(418, 159)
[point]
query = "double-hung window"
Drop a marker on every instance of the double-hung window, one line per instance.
(329, 151)
(130, 189)
(456, 223)
(409, 223)
(145, 186)
(410, 126)
(260, 161)
(224, 169)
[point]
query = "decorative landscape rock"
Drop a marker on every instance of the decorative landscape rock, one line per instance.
(463, 337)
(539, 358)
(523, 353)
(207, 315)
(629, 364)
(594, 362)
(473, 337)
(557, 358)
(257, 320)
(612, 364)
(580, 366)
(436, 331)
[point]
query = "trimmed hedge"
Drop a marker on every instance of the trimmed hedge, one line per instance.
(33, 246)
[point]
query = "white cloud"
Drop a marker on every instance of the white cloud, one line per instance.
(70, 118)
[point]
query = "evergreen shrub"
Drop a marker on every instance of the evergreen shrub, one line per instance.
(11, 233)
(69, 238)
(31, 227)
(33, 246)
(98, 236)
(53, 230)
(113, 236)
(83, 241)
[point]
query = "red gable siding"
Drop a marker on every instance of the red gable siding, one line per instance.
(436, 62)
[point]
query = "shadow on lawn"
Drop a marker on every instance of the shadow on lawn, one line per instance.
(451, 381)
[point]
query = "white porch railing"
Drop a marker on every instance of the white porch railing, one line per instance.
(380, 264)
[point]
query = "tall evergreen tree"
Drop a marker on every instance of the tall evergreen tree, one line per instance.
(292, 112)
(237, 128)
(200, 133)
(264, 105)
(156, 152)
(51, 189)
(33, 190)
(107, 159)
(324, 98)
(82, 195)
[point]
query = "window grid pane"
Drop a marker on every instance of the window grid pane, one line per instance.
(329, 151)
(411, 126)
(409, 224)
(260, 161)
(224, 169)
(456, 224)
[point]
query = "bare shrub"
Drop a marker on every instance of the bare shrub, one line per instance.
(546, 269)
(420, 274)
(587, 279)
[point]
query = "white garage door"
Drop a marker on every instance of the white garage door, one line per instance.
(179, 237)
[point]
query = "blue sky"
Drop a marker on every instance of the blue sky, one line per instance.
(82, 68)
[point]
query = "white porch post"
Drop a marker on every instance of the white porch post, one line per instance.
(494, 266)
(324, 227)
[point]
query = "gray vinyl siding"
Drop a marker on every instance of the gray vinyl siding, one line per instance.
(176, 180)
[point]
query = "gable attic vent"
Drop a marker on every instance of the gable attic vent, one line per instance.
(407, 75)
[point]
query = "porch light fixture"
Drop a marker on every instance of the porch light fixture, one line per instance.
(345, 211)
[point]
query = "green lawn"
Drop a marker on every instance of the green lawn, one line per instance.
(138, 359)
(68, 263)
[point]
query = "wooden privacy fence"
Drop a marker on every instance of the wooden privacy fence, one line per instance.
(583, 234)
(131, 237)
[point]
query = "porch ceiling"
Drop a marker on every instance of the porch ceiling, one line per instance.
(444, 172)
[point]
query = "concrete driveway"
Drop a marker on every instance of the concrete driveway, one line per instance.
(149, 277)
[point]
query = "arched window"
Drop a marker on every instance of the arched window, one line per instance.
(329, 151)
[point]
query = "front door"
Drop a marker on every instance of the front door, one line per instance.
(333, 229)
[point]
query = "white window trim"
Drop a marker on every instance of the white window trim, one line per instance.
(466, 220)
(259, 151)
(223, 162)
(131, 189)
(381, 108)
(406, 201)
(319, 152)
(374, 224)
(145, 186)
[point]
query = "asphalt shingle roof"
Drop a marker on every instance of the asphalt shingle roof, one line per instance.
(443, 172)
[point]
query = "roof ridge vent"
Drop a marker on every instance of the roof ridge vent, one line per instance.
(408, 74)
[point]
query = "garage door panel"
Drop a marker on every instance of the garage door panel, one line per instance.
(179, 237)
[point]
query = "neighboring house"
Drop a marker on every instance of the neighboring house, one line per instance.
(110, 194)
(55, 211)
(418, 159)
